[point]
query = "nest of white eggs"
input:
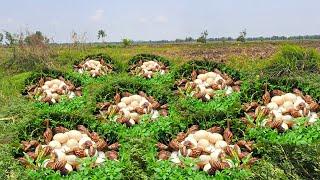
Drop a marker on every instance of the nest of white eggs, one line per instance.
(64, 150)
(94, 67)
(282, 110)
(211, 150)
(148, 69)
(204, 85)
(129, 109)
(52, 90)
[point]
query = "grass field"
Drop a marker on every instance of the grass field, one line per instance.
(293, 154)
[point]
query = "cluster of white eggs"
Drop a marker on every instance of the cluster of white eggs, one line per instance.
(150, 67)
(212, 143)
(94, 68)
(64, 143)
(128, 106)
(53, 89)
(206, 81)
(281, 105)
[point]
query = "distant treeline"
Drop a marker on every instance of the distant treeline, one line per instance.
(273, 38)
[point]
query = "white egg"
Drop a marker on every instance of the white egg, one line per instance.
(207, 167)
(204, 158)
(66, 148)
(203, 143)
(210, 81)
(229, 90)
(71, 159)
(83, 140)
(289, 97)
(132, 122)
(203, 77)
(101, 154)
(54, 144)
(215, 154)
(134, 104)
(136, 97)
(61, 155)
(288, 104)
(211, 75)
(99, 160)
(134, 115)
(220, 144)
(72, 143)
(121, 105)
(278, 100)
(68, 167)
(201, 134)
(285, 126)
(191, 138)
(198, 81)
(155, 114)
(214, 137)
(61, 137)
(126, 100)
(74, 134)
(210, 148)
(272, 106)
(210, 91)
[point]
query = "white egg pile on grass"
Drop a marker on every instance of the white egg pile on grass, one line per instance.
(203, 84)
(282, 110)
(64, 150)
(210, 149)
(52, 90)
(130, 108)
(94, 67)
(148, 69)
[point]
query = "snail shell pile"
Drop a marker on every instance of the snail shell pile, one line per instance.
(211, 149)
(51, 90)
(129, 108)
(94, 67)
(148, 69)
(204, 84)
(64, 149)
(282, 110)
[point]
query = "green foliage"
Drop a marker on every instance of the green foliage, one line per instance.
(292, 60)
(290, 155)
(203, 37)
(126, 42)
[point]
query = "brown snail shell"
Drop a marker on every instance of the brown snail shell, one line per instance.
(164, 155)
(114, 146)
(101, 145)
(161, 146)
(117, 98)
(60, 129)
(181, 136)
(174, 145)
(192, 129)
(112, 155)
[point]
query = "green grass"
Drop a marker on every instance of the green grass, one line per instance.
(291, 155)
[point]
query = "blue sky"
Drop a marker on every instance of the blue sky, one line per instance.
(156, 20)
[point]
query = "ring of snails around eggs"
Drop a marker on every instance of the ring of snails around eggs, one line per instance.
(51, 90)
(129, 108)
(64, 149)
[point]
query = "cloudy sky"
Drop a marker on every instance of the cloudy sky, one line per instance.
(156, 20)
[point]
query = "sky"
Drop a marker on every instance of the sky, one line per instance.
(158, 20)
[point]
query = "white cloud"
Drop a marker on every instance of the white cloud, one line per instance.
(160, 19)
(143, 20)
(9, 20)
(98, 15)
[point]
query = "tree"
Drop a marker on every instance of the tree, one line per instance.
(242, 36)
(1, 38)
(189, 39)
(10, 39)
(36, 38)
(126, 42)
(101, 35)
(203, 37)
